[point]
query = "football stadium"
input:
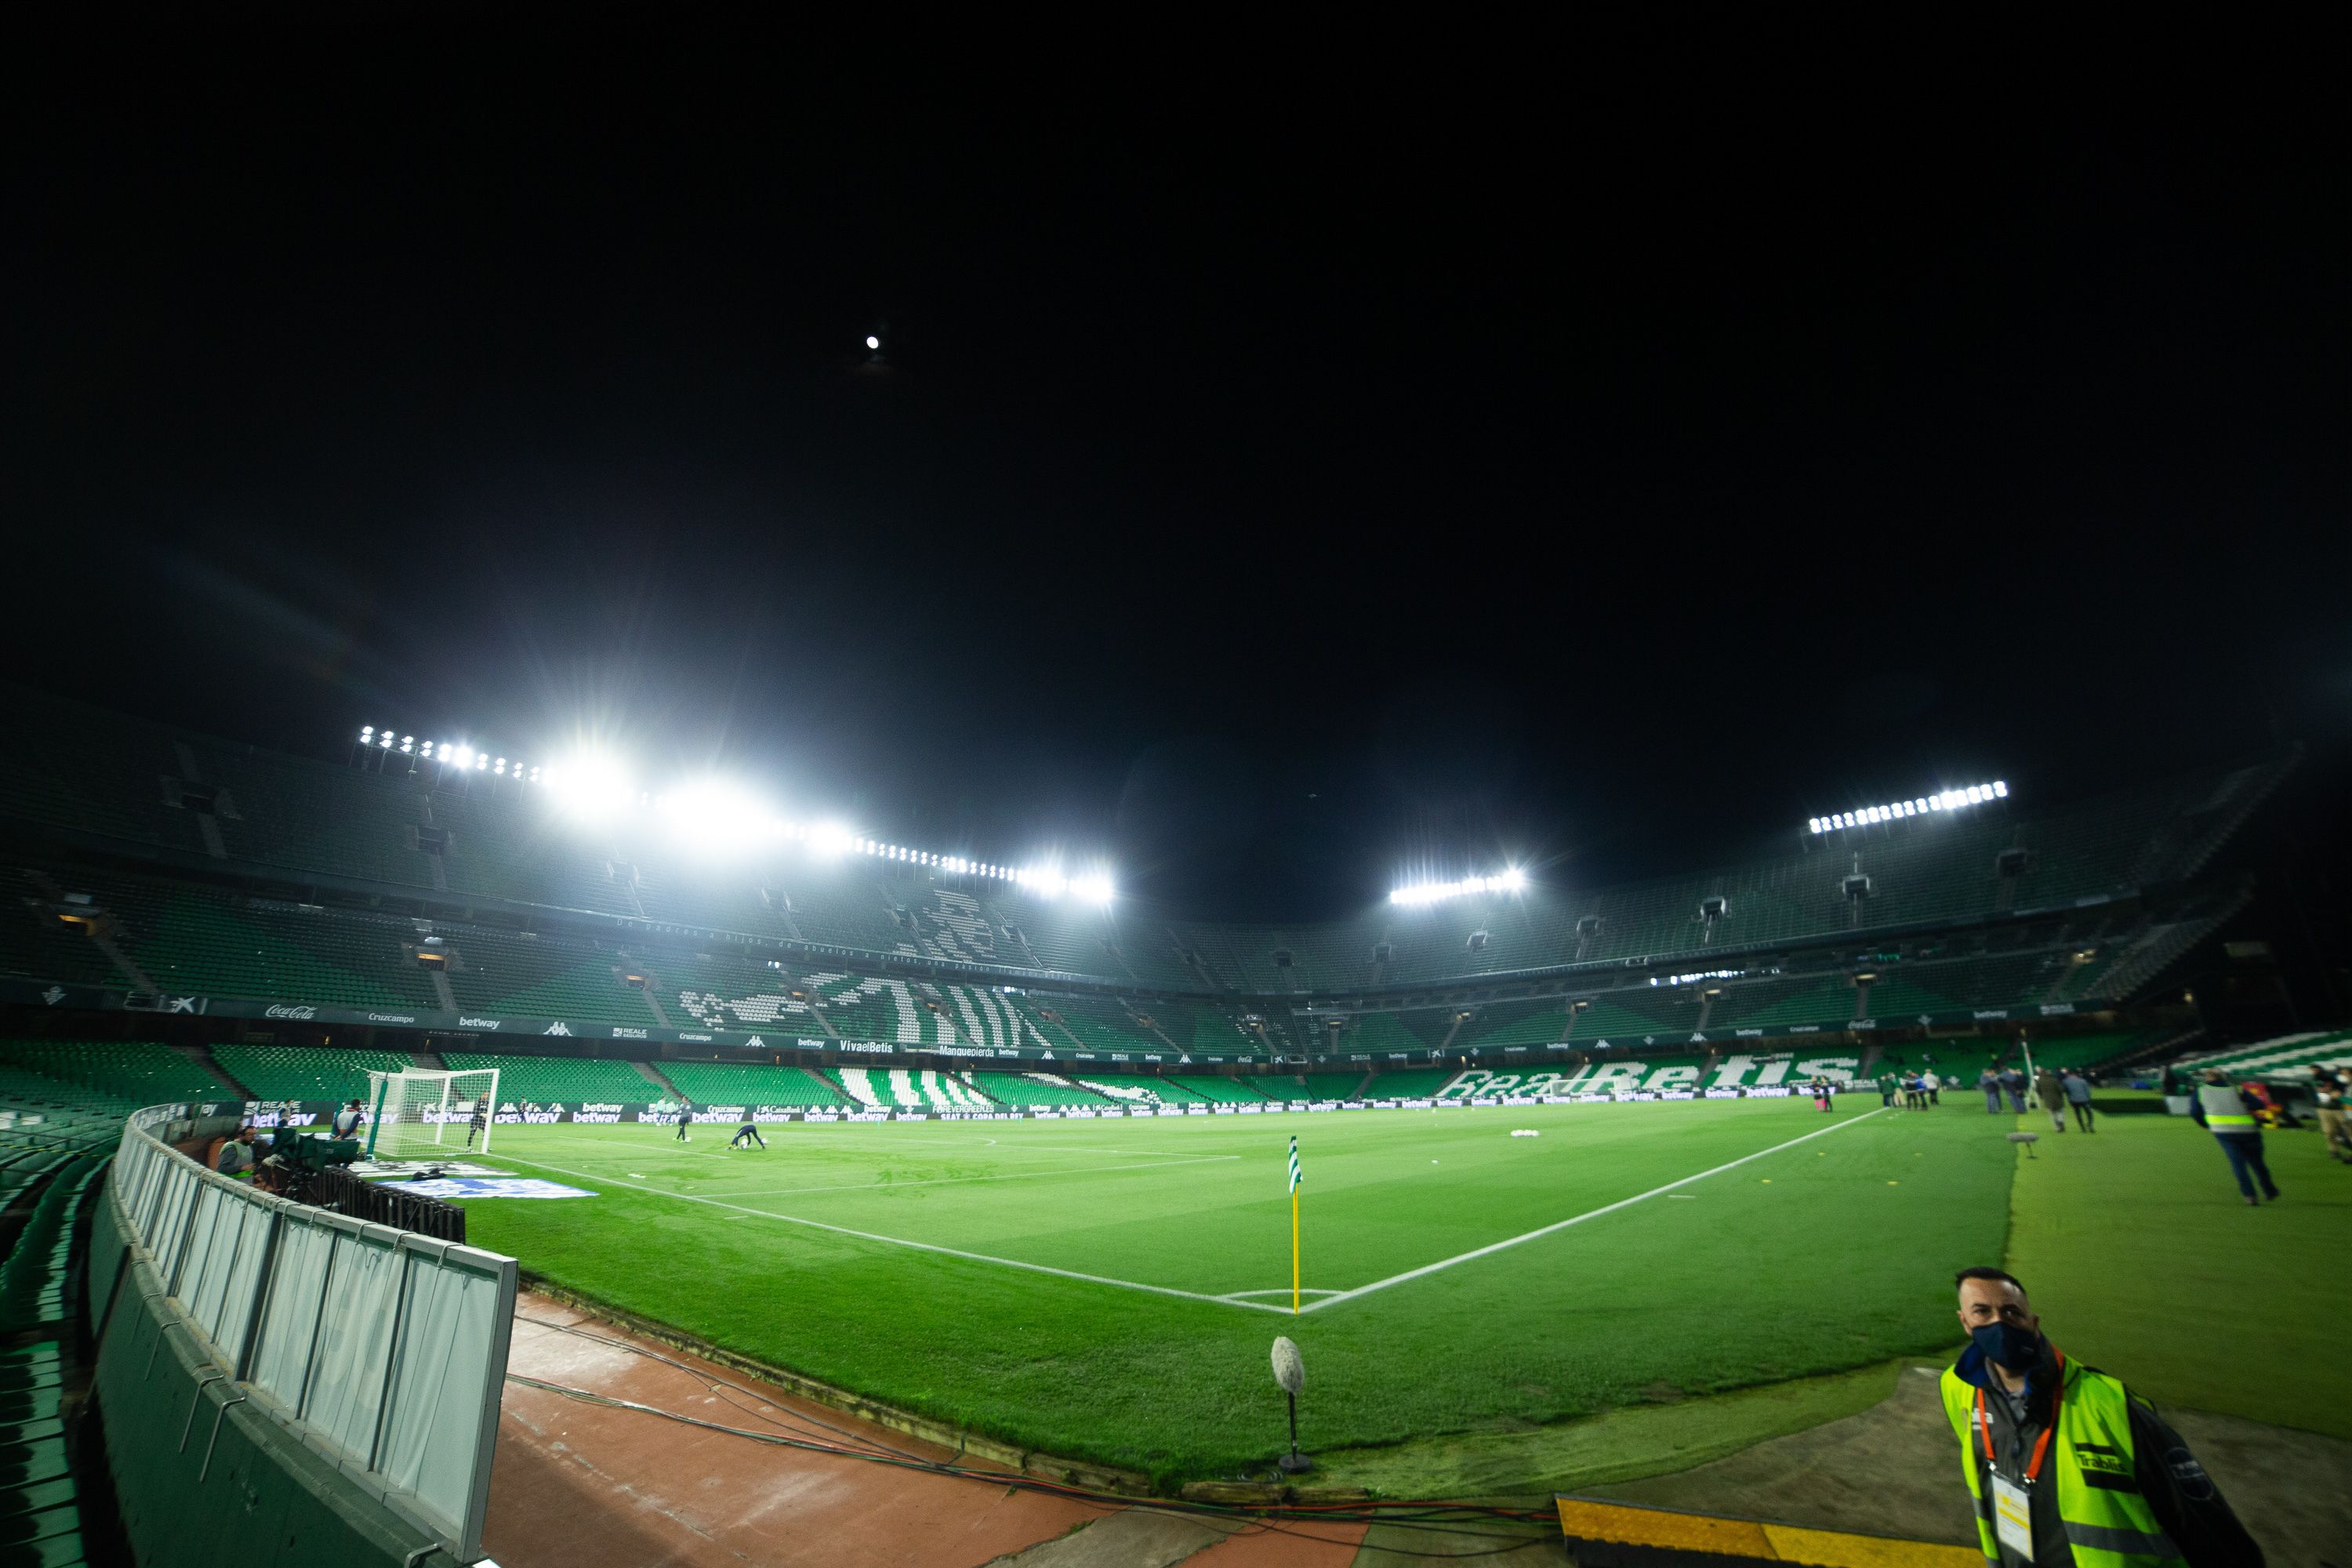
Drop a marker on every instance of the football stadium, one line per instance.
(1078, 803)
(1028, 1174)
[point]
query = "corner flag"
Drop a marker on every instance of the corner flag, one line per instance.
(1295, 1179)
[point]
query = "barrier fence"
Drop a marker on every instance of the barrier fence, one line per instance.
(385, 1350)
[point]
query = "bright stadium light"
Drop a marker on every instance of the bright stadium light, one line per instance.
(590, 788)
(1919, 806)
(829, 838)
(872, 342)
(1511, 881)
(1093, 888)
(716, 815)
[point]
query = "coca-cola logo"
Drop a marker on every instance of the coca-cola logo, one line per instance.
(280, 1010)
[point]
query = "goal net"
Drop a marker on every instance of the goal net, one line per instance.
(417, 1113)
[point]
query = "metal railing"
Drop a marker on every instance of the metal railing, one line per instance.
(386, 1350)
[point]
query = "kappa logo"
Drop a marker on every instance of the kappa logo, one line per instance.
(755, 1043)
(555, 1029)
(53, 994)
(283, 1011)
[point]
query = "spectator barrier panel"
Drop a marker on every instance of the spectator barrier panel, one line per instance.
(384, 1351)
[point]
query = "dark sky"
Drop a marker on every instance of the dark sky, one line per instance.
(1271, 483)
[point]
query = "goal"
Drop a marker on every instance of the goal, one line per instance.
(420, 1113)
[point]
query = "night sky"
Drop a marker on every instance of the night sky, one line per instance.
(1271, 486)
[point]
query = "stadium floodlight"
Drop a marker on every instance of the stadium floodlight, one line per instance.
(1510, 880)
(367, 731)
(1918, 806)
(590, 788)
(716, 815)
(1045, 881)
(872, 342)
(1095, 888)
(829, 838)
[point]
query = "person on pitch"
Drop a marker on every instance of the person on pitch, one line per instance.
(480, 1122)
(2064, 1463)
(749, 1129)
(685, 1115)
(2227, 1112)
(347, 1120)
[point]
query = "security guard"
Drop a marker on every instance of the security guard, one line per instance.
(2227, 1113)
(2064, 1465)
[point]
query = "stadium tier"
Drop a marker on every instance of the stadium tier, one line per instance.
(132, 1073)
(2288, 1058)
(304, 1072)
(1309, 1088)
(471, 841)
(884, 1088)
(567, 1080)
(1136, 1091)
(737, 1083)
(1218, 1090)
(1414, 1083)
(1044, 1091)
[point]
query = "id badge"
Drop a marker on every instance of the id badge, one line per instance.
(2012, 1517)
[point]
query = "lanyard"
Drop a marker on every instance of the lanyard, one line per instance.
(2041, 1443)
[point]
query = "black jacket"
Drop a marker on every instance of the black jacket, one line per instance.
(2187, 1505)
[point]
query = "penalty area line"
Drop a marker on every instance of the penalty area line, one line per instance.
(902, 1241)
(1495, 1247)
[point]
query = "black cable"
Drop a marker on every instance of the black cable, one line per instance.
(1426, 1514)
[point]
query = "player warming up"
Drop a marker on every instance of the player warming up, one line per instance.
(685, 1115)
(749, 1129)
(478, 1121)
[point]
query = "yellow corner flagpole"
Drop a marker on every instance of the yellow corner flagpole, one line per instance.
(1293, 1252)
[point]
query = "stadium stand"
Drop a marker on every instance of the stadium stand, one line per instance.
(902, 1088)
(1042, 1090)
(741, 1083)
(567, 1080)
(1419, 1083)
(1095, 1024)
(132, 1073)
(1309, 1087)
(1499, 1023)
(2285, 1057)
(306, 1073)
(2090, 1051)
(398, 824)
(1219, 1090)
(517, 974)
(1416, 1033)
(1138, 1090)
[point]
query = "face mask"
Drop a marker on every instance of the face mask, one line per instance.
(2006, 1346)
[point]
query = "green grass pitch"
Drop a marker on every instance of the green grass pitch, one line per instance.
(1827, 1243)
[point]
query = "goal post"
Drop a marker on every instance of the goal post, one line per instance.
(420, 1112)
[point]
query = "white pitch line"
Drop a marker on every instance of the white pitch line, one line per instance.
(1580, 1219)
(1008, 1176)
(902, 1241)
(1241, 1296)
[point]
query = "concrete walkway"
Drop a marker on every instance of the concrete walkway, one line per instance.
(1894, 1470)
(582, 1485)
